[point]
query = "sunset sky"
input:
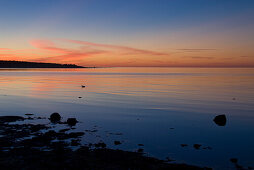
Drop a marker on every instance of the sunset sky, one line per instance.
(201, 33)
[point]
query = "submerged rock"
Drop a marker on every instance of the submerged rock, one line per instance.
(72, 121)
(55, 117)
(220, 120)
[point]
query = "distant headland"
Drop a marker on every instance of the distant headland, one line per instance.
(25, 64)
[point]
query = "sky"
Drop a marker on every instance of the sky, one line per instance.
(113, 33)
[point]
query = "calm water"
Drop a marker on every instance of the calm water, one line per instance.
(143, 104)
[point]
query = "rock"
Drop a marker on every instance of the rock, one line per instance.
(196, 146)
(91, 131)
(140, 150)
(75, 134)
(4, 119)
(63, 130)
(100, 145)
(184, 145)
(234, 160)
(29, 114)
(75, 142)
(220, 120)
(169, 160)
(117, 142)
(207, 147)
(36, 128)
(55, 117)
(72, 121)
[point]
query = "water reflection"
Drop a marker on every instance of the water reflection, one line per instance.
(160, 108)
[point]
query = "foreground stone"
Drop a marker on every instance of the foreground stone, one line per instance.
(72, 121)
(220, 120)
(55, 117)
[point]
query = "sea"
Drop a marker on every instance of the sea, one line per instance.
(164, 111)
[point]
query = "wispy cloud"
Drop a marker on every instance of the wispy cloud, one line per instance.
(4, 49)
(202, 57)
(48, 45)
(84, 50)
(74, 51)
(198, 57)
(196, 49)
(99, 54)
(125, 49)
(64, 54)
(245, 56)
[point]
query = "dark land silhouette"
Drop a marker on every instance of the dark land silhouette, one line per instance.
(25, 64)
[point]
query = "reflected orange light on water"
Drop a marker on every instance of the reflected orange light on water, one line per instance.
(156, 83)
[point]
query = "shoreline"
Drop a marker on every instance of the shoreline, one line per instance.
(38, 146)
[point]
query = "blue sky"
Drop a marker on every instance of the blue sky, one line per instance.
(132, 23)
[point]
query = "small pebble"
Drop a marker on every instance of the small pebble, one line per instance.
(196, 146)
(117, 143)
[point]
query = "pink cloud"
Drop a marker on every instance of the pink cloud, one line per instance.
(48, 45)
(127, 50)
(64, 53)
(4, 49)
(87, 49)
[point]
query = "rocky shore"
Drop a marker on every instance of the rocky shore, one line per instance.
(38, 146)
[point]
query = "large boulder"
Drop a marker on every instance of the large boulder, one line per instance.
(220, 120)
(55, 117)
